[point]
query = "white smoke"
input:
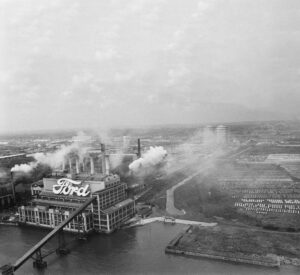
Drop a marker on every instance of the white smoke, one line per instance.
(25, 168)
(116, 159)
(209, 137)
(56, 159)
(205, 145)
(155, 155)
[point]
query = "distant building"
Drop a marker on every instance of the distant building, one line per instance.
(221, 135)
(208, 135)
(126, 142)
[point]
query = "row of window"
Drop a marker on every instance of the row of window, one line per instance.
(48, 219)
(61, 198)
(111, 197)
(115, 219)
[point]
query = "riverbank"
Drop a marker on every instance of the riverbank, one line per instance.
(237, 244)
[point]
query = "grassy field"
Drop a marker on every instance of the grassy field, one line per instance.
(201, 198)
(157, 194)
(241, 240)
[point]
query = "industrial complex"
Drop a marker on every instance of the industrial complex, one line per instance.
(57, 196)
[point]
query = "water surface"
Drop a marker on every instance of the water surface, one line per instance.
(137, 250)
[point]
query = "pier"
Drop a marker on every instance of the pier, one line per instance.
(172, 220)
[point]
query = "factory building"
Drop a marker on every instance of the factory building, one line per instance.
(62, 193)
(222, 135)
(6, 197)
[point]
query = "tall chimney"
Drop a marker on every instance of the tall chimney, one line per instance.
(139, 148)
(13, 186)
(106, 165)
(126, 141)
(92, 165)
(83, 166)
(70, 165)
(103, 161)
(77, 165)
(64, 165)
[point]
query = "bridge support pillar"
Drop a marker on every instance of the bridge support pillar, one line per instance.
(62, 250)
(38, 261)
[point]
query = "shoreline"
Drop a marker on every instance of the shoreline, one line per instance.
(171, 220)
(268, 260)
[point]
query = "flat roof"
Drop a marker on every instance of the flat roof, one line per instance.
(57, 203)
(117, 206)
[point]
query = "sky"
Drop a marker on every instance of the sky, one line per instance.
(101, 63)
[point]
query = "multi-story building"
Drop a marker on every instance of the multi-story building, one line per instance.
(222, 135)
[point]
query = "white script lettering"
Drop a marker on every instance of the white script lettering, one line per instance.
(66, 187)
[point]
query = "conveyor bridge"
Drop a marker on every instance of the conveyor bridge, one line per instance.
(58, 230)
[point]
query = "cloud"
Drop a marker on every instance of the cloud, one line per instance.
(102, 57)
(125, 76)
(106, 54)
(176, 75)
(204, 5)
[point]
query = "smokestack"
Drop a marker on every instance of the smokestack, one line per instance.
(77, 165)
(139, 148)
(103, 158)
(13, 187)
(83, 166)
(92, 165)
(102, 147)
(126, 142)
(106, 165)
(64, 165)
(70, 165)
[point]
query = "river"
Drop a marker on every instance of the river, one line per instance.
(138, 250)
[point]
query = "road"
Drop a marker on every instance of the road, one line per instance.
(170, 207)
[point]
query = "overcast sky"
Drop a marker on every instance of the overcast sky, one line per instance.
(94, 63)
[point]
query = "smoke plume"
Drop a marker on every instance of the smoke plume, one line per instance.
(154, 156)
(25, 168)
(202, 149)
(56, 159)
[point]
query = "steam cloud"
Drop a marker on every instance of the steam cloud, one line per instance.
(154, 156)
(25, 168)
(203, 148)
(56, 159)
